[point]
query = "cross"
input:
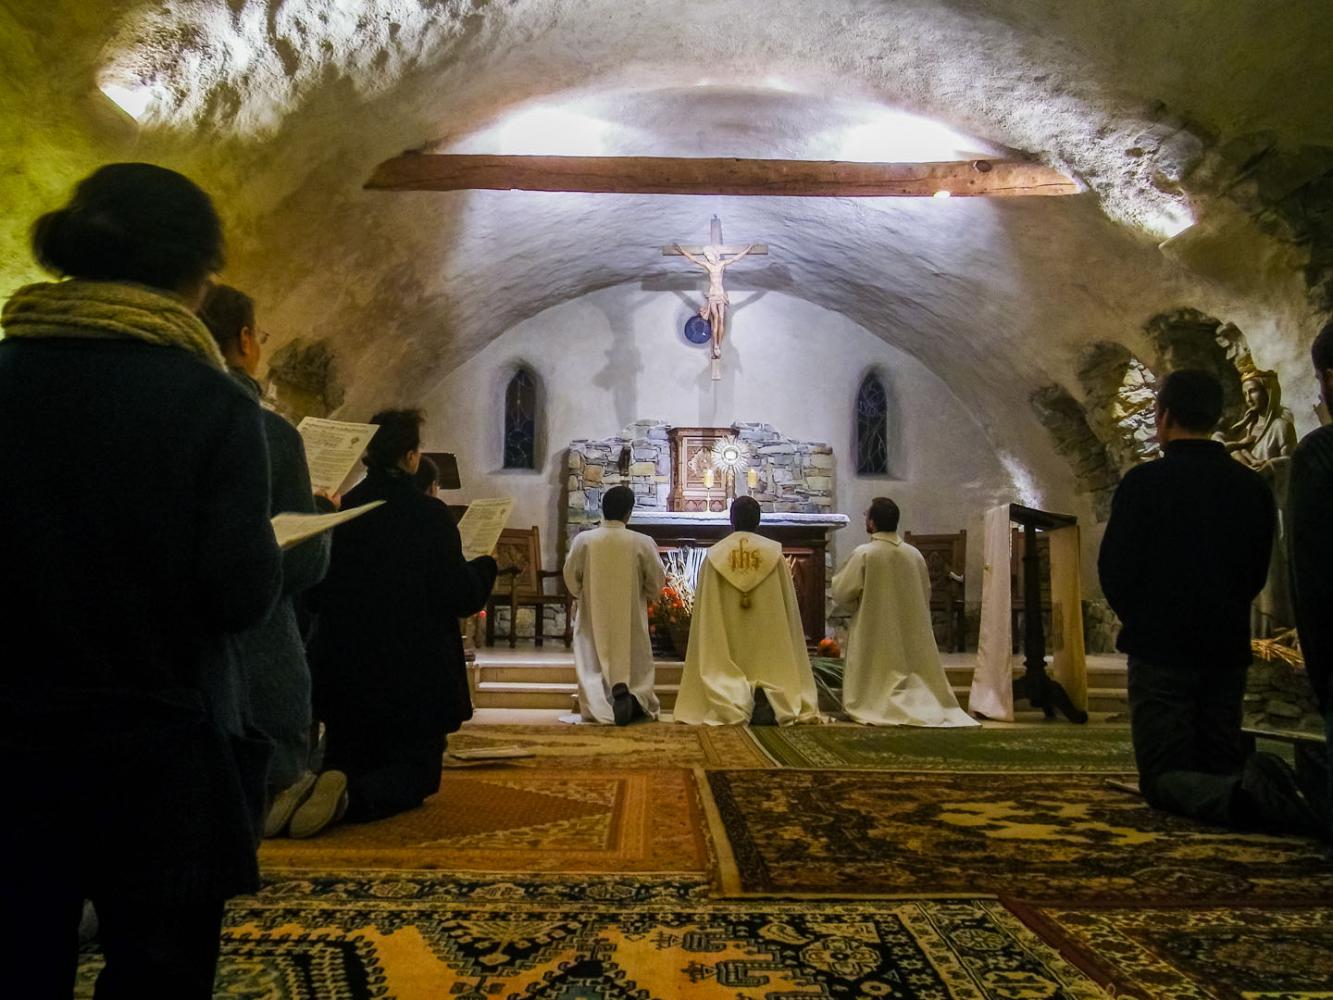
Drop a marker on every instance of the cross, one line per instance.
(715, 258)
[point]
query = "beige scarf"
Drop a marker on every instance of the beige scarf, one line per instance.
(111, 310)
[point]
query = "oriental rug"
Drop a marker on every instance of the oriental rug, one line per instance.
(1100, 748)
(523, 820)
(648, 744)
(414, 936)
(1247, 953)
(1058, 838)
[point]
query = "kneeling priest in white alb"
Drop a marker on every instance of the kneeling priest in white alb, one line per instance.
(894, 675)
(614, 573)
(747, 660)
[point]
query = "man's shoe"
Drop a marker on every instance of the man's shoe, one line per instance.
(285, 803)
(623, 704)
(763, 714)
(325, 805)
(1269, 783)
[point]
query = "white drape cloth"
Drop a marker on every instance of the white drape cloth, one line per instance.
(992, 683)
(735, 648)
(992, 692)
(894, 676)
(614, 573)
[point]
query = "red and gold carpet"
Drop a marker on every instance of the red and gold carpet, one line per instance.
(523, 820)
(1157, 953)
(1052, 837)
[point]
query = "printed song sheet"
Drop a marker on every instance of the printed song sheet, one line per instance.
(332, 449)
(480, 527)
(293, 528)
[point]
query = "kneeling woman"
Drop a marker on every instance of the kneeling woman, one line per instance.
(386, 655)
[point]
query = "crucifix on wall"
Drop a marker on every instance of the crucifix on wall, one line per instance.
(715, 257)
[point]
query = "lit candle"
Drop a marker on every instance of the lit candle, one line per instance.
(752, 477)
(708, 479)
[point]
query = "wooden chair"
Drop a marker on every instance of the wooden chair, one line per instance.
(519, 555)
(946, 558)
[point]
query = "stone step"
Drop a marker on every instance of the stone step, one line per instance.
(562, 694)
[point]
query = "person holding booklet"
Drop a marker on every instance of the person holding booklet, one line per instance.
(131, 778)
(386, 655)
(271, 653)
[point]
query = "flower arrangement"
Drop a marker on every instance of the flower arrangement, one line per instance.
(673, 609)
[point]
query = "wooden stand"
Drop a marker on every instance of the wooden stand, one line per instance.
(1036, 685)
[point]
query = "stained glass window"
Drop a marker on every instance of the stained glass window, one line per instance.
(872, 428)
(520, 442)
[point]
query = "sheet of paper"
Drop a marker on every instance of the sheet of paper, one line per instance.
(492, 753)
(293, 528)
(332, 449)
(480, 527)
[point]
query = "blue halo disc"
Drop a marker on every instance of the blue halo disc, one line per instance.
(698, 330)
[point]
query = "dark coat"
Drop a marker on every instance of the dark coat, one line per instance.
(386, 654)
(1310, 542)
(135, 532)
(272, 653)
(1185, 554)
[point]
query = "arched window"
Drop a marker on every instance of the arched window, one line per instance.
(872, 428)
(520, 442)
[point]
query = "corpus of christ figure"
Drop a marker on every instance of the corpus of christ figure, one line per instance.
(715, 258)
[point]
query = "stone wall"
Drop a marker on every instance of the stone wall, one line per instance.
(1279, 696)
(794, 476)
(1064, 417)
(639, 457)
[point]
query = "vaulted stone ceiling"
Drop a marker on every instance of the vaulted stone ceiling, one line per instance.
(1199, 128)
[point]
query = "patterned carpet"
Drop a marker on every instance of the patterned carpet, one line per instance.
(523, 820)
(1197, 954)
(1057, 838)
(648, 744)
(1012, 748)
(423, 936)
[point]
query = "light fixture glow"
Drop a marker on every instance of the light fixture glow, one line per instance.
(541, 130)
(888, 136)
(942, 194)
(133, 100)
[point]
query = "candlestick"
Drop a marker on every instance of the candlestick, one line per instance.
(708, 479)
(752, 477)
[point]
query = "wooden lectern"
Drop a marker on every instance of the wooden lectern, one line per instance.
(1039, 688)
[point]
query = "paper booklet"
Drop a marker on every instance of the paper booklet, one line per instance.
(480, 527)
(332, 449)
(293, 528)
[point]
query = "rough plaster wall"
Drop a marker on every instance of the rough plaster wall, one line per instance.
(616, 355)
(282, 110)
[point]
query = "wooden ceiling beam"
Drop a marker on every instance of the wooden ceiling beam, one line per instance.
(717, 176)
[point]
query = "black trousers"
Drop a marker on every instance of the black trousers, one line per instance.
(151, 950)
(386, 773)
(1186, 727)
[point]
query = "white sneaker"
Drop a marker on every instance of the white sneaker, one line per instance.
(325, 805)
(285, 803)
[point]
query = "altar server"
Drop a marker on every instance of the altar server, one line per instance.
(894, 675)
(614, 573)
(747, 659)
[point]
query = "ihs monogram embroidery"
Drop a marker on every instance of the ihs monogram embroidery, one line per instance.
(744, 559)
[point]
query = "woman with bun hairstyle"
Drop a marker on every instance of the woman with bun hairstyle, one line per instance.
(132, 779)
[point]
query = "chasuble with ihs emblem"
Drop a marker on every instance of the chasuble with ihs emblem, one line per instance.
(746, 634)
